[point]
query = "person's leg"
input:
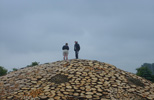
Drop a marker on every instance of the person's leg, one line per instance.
(67, 55)
(64, 57)
(76, 54)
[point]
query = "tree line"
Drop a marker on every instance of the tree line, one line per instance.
(4, 71)
(146, 71)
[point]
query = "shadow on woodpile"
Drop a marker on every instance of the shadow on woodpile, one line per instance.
(134, 81)
(59, 79)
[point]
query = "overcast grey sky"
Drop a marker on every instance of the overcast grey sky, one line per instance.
(119, 32)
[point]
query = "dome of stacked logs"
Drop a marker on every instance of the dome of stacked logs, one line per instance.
(74, 80)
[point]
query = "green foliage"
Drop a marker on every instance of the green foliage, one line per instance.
(3, 71)
(15, 69)
(33, 64)
(144, 72)
(150, 66)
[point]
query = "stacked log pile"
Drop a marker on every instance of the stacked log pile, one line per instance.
(74, 80)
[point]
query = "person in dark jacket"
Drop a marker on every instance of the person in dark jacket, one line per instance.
(76, 49)
(65, 49)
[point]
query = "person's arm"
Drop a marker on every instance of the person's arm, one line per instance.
(79, 46)
(68, 47)
(74, 48)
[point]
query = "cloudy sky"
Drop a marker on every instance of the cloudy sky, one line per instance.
(119, 32)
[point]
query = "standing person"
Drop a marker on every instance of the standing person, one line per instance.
(65, 49)
(76, 49)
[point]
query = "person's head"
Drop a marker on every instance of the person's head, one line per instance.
(76, 42)
(66, 44)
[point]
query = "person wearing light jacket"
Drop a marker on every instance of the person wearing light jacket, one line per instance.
(65, 49)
